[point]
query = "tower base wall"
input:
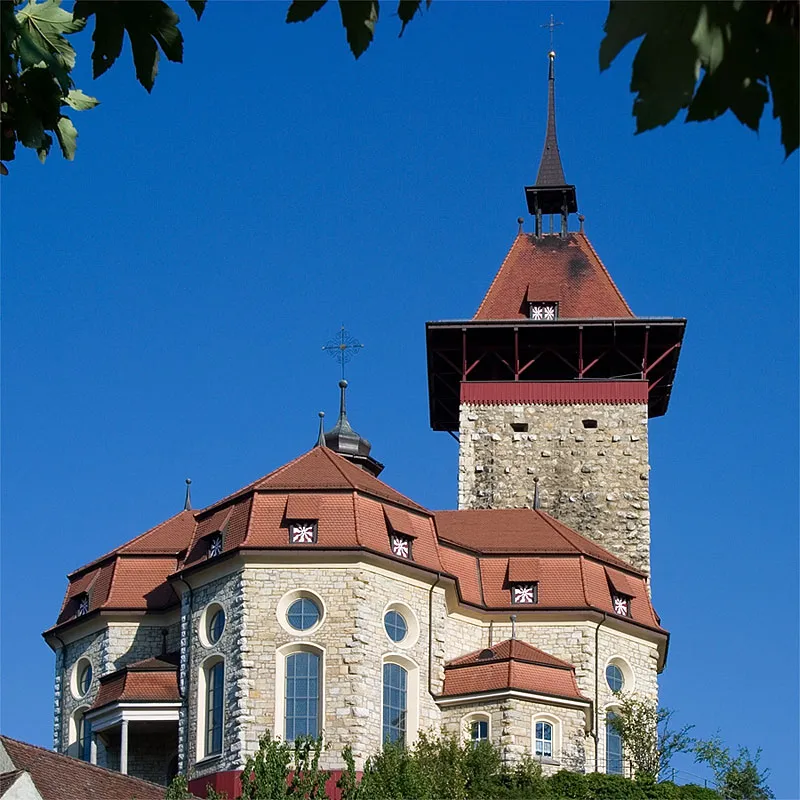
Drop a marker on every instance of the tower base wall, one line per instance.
(591, 460)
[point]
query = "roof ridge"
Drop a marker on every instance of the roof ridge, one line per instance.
(605, 270)
(497, 274)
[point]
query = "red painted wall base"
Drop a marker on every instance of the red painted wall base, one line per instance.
(230, 782)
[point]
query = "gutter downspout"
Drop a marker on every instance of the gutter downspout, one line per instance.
(183, 686)
(596, 734)
(63, 655)
(430, 633)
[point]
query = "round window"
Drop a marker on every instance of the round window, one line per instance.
(84, 679)
(614, 678)
(216, 625)
(395, 625)
(303, 614)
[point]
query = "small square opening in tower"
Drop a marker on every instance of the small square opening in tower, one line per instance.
(519, 427)
(590, 423)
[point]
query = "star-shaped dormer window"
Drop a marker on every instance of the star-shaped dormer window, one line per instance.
(83, 605)
(543, 310)
(621, 605)
(303, 531)
(401, 545)
(525, 593)
(215, 545)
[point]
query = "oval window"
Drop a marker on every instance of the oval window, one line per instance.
(84, 679)
(216, 625)
(303, 614)
(614, 678)
(395, 624)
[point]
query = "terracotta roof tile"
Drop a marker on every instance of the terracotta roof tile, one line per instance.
(302, 506)
(59, 777)
(523, 570)
(565, 270)
(511, 664)
(465, 566)
(139, 686)
(141, 583)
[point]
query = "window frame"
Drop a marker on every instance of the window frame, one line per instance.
(412, 695)
(610, 732)
(556, 732)
(282, 655)
(282, 609)
(468, 720)
(204, 695)
(519, 585)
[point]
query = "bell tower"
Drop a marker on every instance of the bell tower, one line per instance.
(554, 380)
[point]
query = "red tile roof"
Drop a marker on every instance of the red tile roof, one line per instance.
(484, 550)
(553, 269)
(154, 680)
(59, 777)
(511, 664)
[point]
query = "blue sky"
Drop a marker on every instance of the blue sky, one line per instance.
(166, 297)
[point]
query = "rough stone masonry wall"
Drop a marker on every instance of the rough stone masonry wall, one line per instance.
(355, 644)
(511, 729)
(595, 480)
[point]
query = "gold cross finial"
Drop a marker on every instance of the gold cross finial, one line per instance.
(552, 25)
(343, 347)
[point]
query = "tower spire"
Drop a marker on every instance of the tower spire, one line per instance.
(187, 502)
(551, 194)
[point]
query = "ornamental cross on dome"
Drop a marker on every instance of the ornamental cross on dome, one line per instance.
(552, 25)
(343, 347)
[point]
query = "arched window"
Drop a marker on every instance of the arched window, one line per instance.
(614, 753)
(81, 736)
(395, 703)
(543, 744)
(215, 697)
(302, 695)
(476, 728)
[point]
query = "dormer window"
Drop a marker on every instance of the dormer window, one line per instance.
(83, 605)
(525, 593)
(543, 310)
(303, 531)
(401, 545)
(622, 604)
(215, 545)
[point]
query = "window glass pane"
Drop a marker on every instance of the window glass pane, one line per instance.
(613, 748)
(216, 626)
(395, 703)
(214, 708)
(85, 679)
(479, 731)
(302, 695)
(84, 739)
(544, 740)
(614, 678)
(395, 625)
(303, 614)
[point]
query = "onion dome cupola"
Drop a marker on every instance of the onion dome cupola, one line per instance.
(551, 194)
(342, 439)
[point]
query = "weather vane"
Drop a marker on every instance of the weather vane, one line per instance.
(552, 25)
(343, 347)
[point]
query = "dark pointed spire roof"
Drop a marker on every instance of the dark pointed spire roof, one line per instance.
(551, 171)
(342, 439)
(551, 194)
(321, 436)
(187, 503)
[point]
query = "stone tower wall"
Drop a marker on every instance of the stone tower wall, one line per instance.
(593, 479)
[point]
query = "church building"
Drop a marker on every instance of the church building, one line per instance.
(318, 600)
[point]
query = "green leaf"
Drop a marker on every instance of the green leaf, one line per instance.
(47, 24)
(44, 148)
(79, 101)
(109, 31)
(67, 137)
(359, 18)
(406, 9)
(783, 73)
(301, 10)
(30, 126)
(198, 6)
(145, 57)
(163, 25)
(626, 22)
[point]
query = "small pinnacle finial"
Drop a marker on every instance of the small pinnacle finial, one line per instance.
(513, 626)
(536, 502)
(342, 401)
(520, 222)
(187, 503)
(581, 219)
(321, 437)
